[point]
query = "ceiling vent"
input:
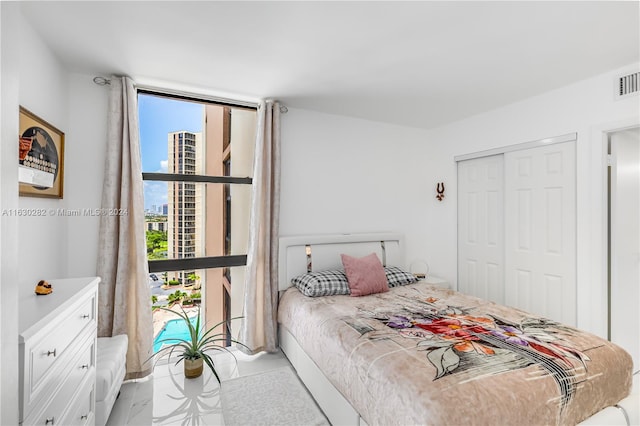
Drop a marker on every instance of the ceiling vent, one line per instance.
(627, 85)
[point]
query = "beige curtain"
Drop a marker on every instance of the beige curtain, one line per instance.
(124, 303)
(259, 327)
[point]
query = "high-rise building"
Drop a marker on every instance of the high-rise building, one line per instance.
(165, 209)
(228, 133)
(217, 157)
(182, 215)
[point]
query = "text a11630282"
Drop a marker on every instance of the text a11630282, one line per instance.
(61, 212)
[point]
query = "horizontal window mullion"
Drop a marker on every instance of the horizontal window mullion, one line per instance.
(175, 177)
(169, 265)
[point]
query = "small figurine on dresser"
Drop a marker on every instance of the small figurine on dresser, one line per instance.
(43, 287)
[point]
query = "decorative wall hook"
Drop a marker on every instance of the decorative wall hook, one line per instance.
(440, 190)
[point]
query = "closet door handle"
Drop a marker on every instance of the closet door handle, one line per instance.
(85, 316)
(49, 421)
(53, 352)
(84, 366)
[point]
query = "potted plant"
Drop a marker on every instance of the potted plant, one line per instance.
(193, 349)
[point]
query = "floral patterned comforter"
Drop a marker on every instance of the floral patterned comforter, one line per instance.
(425, 355)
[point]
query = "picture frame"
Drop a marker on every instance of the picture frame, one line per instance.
(40, 157)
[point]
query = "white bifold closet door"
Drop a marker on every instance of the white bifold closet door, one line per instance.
(517, 229)
(481, 227)
(540, 230)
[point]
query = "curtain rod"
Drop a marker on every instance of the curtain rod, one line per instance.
(102, 81)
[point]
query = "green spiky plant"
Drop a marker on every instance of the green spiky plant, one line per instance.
(200, 340)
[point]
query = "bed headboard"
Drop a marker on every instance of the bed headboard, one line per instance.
(323, 252)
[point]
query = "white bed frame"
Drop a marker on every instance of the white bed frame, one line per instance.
(301, 254)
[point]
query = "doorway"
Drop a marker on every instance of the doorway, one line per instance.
(624, 240)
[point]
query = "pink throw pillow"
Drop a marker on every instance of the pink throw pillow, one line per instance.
(365, 275)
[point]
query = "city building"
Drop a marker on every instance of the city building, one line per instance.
(182, 239)
(156, 225)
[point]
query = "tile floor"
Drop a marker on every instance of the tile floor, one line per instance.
(167, 398)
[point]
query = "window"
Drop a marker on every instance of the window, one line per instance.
(196, 201)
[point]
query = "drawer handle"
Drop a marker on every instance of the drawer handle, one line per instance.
(49, 420)
(84, 366)
(49, 353)
(85, 316)
(84, 417)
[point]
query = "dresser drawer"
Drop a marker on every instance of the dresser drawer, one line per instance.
(82, 408)
(82, 369)
(44, 354)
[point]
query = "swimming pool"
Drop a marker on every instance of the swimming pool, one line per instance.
(173, 329)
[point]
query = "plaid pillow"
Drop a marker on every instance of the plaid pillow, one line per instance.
(324, 283)
(397, 277)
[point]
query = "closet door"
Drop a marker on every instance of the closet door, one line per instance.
(540, 231)
(480, 228)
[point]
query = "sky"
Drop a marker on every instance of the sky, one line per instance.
(159, 116)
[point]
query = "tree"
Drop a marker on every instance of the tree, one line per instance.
(193, 278)
(176, 297)
(156, 240)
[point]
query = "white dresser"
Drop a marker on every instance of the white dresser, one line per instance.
(58, 335)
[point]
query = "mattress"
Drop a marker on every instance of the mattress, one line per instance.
(420, 354)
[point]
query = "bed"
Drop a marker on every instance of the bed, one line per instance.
(424, 354)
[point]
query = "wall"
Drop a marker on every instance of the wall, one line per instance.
(43, 90)
(342, 175)
(9, 58)
(52, 246)
(216, 124)
(84, 168)
(64, 245)
(1, 193)
(586, 107)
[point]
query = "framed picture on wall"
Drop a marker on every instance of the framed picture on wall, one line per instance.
(40, 158)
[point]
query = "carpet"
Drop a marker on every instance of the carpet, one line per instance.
(275, 397)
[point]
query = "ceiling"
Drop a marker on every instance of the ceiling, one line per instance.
(418, 64)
